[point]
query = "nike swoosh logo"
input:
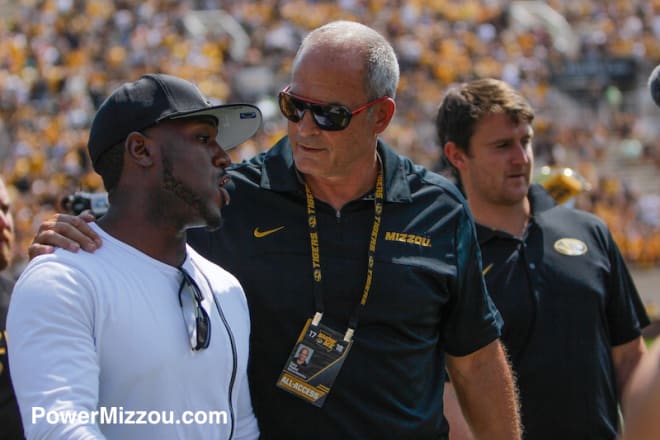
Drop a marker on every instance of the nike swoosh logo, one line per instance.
(262, 234)
(487, 269)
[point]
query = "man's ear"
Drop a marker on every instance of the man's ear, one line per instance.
(383, 114)
(139, 149)
(455, 155)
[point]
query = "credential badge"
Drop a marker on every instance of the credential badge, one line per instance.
(570, 246)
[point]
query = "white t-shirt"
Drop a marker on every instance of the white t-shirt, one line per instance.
(101, 337)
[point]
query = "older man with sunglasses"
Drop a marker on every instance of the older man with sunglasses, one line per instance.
(146, 339)
(351, 250)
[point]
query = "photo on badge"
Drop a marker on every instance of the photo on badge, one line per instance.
(302, 357)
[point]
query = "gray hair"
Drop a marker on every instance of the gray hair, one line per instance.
(382, 66)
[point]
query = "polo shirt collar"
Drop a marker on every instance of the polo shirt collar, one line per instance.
(539, 200)
(279, 171)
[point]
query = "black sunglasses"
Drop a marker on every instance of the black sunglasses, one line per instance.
(329, 117)
(198, 323)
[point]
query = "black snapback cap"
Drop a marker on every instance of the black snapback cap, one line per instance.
(154, 98)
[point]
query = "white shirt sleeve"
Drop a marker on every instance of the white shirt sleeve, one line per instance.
(52, 353)
(246, 422)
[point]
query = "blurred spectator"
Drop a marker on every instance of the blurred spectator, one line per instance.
(10, 418)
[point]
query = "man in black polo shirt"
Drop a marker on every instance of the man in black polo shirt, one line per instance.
(331, 222)
(572, 316)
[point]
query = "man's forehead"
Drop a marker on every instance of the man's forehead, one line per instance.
(489, 121)
(498, 127)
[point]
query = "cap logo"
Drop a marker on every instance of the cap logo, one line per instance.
(248, 115)
(570, 246)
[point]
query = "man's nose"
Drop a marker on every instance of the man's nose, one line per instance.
(521, 153)
(221, 159)
(307, 124)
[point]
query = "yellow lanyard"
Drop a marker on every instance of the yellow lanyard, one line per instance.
(316, 255)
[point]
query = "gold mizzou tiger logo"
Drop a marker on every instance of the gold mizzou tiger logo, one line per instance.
(570, 246)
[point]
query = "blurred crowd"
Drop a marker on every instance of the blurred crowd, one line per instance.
(60, 58)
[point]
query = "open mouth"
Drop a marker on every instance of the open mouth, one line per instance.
(223, 181)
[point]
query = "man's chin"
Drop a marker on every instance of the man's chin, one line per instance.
(214, 225)
(213, 220)
(514, 197)
(519, 190)
(209, 221)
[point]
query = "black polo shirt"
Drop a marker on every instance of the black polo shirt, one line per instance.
(427, 295)
(566, 298)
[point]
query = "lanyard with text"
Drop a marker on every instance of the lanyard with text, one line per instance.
(320, 351)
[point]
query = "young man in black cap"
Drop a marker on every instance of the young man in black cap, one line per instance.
(572, 315)
(145, 339)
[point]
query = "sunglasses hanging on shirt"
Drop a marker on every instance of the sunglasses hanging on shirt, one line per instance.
(198, 323)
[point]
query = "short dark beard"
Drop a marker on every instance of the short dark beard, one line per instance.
(188, 196)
